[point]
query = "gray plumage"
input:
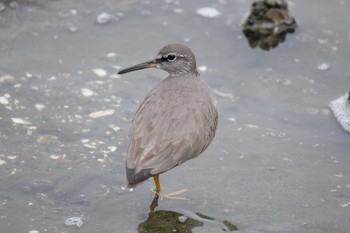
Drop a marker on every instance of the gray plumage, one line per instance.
(177, 119)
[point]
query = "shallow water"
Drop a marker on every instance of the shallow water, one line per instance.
(279, 162)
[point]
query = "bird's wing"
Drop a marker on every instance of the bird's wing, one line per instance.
(168, 132)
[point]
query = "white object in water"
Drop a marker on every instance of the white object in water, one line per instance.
(341, 110)
(208, 12)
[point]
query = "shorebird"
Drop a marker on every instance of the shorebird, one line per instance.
(176, 121)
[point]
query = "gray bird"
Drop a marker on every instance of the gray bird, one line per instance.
(176, 121)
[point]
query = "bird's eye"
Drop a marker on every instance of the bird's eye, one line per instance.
(171, 57)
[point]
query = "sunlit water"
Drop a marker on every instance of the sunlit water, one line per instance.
(280, 161)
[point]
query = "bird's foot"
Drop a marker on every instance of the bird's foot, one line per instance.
(172, 196)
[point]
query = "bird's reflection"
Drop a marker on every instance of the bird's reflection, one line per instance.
(170, 221)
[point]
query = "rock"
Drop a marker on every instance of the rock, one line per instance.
(268, 23)
(341, 110)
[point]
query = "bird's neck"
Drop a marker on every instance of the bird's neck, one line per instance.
(183, 73)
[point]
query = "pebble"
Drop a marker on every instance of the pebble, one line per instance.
(104, 18)
(2, 162)
(182, 218)
(323, 66)
(20, 121)
(208, 12)
(100, 72)
(39, 107)
(87, 92)
(7, 79)
(4, 100)
(102, 113)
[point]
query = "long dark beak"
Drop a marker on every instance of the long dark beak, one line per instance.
(144, 65)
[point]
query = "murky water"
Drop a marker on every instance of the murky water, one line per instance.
(279, 163)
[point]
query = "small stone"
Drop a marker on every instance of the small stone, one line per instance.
(4, 100)
(87, 92)
(20, 121)
(112, 148)
(7, 79)
(11, 157)
(111, 56)
(182, 218)
(100, 72)
(102, 113)
(323, 66)
(208, 12)
(104, 18)
(39, 107)
(2, 162)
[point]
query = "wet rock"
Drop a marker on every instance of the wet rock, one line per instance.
(268, 23)
(341, 110)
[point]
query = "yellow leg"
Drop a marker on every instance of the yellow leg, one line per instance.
(162, 195)
(157, 183)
